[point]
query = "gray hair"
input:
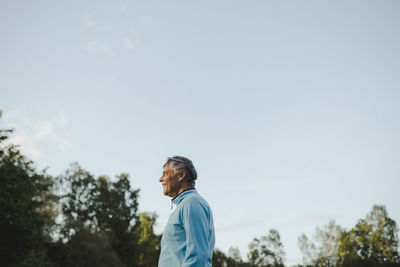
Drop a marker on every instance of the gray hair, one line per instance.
(178, 163)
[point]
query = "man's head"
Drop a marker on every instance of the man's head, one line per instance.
(179, 175)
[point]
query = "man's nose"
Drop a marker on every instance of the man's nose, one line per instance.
(161, 179)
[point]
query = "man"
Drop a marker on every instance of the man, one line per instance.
(188, 238)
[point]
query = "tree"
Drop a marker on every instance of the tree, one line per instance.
(323, 251)
(99, 221)
(220, 259)
(373, 241)
(101, 205)
(308, 249)
(234, 254)
(86, 249)
(149, 242)
(26, 210)
(77, 201)
(267, 251)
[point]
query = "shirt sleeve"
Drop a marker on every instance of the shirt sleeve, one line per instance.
(197, 228)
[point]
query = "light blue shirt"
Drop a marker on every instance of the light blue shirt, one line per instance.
(189, 237)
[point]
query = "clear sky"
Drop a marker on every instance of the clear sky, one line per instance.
(288, 109)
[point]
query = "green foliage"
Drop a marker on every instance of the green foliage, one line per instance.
(323, 251)
(86, 249)
(373, 241)
(219, 259)
(77, 201)
(26, 210)
(234, 254)
(233, 260)
(99, 221)
(100, 225)
(101, 205)
(149, 242)
(267, 251)
(264, 252)
(36, 258)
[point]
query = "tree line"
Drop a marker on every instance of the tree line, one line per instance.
(74, 219)
(372, 242)
(77, 219)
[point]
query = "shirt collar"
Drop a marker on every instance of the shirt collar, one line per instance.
(176, 200)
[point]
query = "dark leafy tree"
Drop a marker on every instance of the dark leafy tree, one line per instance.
(234, 253)
(101, 205)
(26, 210)
(115, 209)
(220, 259)
(373, 241)
(148, 243)
(77, 201)
(86, 249)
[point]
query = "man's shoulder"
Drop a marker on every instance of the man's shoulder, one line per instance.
(194, 197)
(194, 206)
(195, 200)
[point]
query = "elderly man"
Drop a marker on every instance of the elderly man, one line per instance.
(188, 238)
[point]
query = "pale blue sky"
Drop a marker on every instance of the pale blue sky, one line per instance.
(288, 109)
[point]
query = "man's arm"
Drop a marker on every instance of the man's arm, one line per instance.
(196, 219)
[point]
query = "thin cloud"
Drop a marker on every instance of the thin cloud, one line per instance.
(27, 144)
(37, 137)
(131, 45)
(90, 23)
(116, 8)
(146, 20)
(95, 47)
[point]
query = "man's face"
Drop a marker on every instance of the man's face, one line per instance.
(170, 182)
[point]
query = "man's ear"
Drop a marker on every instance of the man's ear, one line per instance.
(182, 175)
